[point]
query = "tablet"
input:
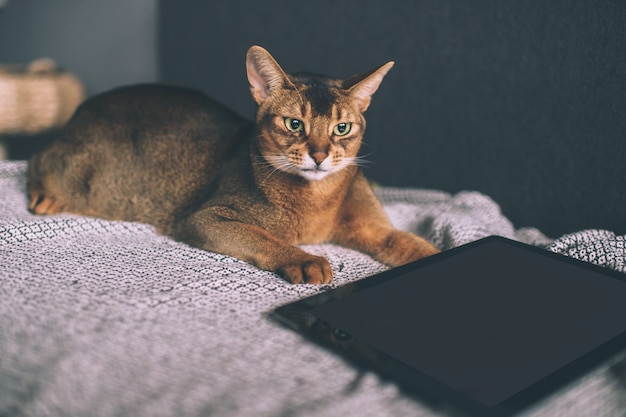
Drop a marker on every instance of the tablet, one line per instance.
(486, 329)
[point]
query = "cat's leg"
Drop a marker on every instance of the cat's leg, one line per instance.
(387, 244)
(363, 225)
(214, 229)
(42, 201)
(383, 242)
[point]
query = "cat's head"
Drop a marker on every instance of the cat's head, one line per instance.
(309, 125)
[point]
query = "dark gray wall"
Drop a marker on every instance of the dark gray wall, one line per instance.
(106, 43)
(523, 101)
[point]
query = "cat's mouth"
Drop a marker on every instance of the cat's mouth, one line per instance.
(313, 174)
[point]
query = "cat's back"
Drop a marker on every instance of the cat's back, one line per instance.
(152, 111)
(161, 126)
(142, 152)
(161, 98)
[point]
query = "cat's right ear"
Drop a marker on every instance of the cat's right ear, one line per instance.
(264, 73)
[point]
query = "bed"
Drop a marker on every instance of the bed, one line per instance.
(101, 318)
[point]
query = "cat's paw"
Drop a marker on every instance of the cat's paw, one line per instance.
(307, 270)
(400, 248)
(43, 204)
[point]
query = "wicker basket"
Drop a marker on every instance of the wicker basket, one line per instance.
(37, 98)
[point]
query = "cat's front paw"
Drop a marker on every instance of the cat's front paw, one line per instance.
(307, 270)
(400, 248)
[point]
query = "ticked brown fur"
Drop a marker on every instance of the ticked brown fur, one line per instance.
(174, 158)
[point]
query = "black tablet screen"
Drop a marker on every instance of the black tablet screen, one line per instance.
(487, 322)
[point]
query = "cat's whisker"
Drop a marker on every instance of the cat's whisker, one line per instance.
(267, 177)
(268, 160)
(357, 161)
(361, 161)
(278, 163)
(262, 162)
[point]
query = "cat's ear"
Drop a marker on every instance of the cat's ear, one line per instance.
(362, 86)
(264, 73)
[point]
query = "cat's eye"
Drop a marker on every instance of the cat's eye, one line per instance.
(294, 125)
(342, 129)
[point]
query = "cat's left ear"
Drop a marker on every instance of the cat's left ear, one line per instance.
(362, 86)
(264, 73)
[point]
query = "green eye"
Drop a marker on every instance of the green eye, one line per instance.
(342, 129)
(294, 125)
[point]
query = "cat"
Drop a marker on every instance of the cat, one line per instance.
(173, 158)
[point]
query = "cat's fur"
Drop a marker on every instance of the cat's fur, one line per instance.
(173, 158)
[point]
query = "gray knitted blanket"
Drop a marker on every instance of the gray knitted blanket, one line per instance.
(101, 318)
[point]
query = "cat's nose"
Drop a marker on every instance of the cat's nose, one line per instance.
(318, 157)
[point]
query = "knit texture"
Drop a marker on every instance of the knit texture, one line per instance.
(101, 318)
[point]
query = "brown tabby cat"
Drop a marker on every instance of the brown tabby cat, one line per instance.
(173, 158)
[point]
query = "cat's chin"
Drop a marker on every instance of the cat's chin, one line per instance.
(313, 174)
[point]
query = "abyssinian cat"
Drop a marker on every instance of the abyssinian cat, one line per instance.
(174, 158)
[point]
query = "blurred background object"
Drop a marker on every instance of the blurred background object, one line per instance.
(36, 99)
(103, 44)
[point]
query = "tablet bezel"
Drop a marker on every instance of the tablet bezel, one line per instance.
(297, 316)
